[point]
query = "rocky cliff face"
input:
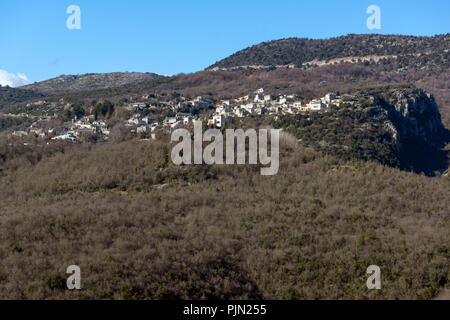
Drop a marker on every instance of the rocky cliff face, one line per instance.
(415, 124)
(397, 126)
(415, 116)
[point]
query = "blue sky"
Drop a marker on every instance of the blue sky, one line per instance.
(173, 36)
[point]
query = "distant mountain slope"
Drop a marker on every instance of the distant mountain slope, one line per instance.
(10, 95)
(412, 51)
(89, 81)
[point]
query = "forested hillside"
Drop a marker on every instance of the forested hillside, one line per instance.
(414, 52)
(11, 96)
(140, 227)
(86, 178)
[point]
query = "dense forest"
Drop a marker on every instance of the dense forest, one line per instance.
(142, 228)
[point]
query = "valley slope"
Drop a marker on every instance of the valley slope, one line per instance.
(347, 194)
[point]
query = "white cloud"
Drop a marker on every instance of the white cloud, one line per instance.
(13, 80)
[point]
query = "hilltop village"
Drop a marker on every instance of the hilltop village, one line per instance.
(152, 113)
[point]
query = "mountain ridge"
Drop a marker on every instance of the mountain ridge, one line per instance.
(88, 81)
(297, 51)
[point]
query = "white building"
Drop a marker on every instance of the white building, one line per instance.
(220, 120)
(289, 109)
(137, 106)
(298, 104)
(201, 102)
(136, 121)
(240, 112)
(329, 97)
(316, 104)
(141, 129)
(249, 107)
(187, 119)
(273, 109)
(19, 133)
(224, 108)
(169, 121)
(147, 120)
(259, 97)
(66, 137)
(285, 99)
(260, 110)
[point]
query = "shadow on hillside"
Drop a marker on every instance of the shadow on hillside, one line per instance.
(424, 158)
